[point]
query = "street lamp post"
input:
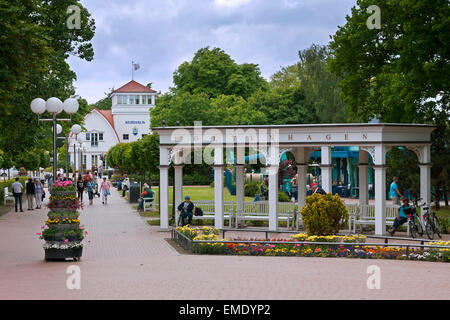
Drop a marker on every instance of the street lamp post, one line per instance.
(76, 129)
(54, 106)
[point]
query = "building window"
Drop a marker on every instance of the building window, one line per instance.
(143, 135)
(88, 136)
(136, 99)
(84, 159)
(100, 136)
(94, 140)
(125, 137)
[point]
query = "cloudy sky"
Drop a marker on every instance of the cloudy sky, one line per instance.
(161, 34)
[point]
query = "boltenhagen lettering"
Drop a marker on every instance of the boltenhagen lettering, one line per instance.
(134, 122)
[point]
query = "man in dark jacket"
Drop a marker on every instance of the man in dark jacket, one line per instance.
(30, 193)
(316, 189)
(185, 208)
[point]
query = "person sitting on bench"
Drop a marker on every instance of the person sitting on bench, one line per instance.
(185, 208)
(147, 194)
(402, 216)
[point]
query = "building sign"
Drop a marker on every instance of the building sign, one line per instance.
(135, 131)
(134, 122)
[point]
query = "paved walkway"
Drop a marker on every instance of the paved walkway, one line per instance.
(125, 258)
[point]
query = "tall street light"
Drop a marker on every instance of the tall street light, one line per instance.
(76, 129)
(54, 106)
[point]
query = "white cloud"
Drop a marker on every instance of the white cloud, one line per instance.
(231, 3)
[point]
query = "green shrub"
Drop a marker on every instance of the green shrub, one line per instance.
(283, 197)
(8, 183)
(252, 188)
(324, 214)
(444, 223)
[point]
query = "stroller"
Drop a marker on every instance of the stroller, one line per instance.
(95, 191)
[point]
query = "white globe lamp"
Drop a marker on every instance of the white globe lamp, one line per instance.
(58, 129)
(54, 105)
(70, 106)
(76, 129)
(38, 106)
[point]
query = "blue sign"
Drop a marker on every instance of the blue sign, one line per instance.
(135, 131)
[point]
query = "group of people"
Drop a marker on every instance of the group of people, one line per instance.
(34, 190)
(89, 184)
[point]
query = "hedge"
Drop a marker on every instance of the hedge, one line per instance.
(8, 183)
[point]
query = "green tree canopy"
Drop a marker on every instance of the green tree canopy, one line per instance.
(213, 72)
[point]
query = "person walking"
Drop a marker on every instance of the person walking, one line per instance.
(104, 189)
(17, 193)
(38, 191)
(316, 189)
(394, 192)
(81, 186)
(125, 184)
(31, 190)
(90, 189)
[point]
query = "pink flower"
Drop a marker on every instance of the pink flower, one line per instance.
(66, 241)
(85, 232)
(38, 233)
(42, 227)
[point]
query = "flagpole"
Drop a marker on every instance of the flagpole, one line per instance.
(132, 70)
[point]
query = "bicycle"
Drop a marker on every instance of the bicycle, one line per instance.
(431, 223)
(415, 225)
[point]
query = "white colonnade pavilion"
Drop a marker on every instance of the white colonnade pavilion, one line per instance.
(374, 139)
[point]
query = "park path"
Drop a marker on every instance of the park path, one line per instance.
(125, 258)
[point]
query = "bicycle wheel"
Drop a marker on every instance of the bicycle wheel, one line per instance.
(437, 227)
(419, 226)
(429, 230)
(412, 228)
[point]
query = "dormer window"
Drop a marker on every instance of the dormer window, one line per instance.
(122, 99)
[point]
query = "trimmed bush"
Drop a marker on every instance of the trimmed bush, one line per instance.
(252, 188)
(283, 197)
(324, 214)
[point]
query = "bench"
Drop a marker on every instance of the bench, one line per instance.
(365, 215)
(8, 196)
(150, 201)
(259, 211)
(208, 208)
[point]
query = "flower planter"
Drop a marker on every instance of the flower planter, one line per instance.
(63, 254)
(60, 246)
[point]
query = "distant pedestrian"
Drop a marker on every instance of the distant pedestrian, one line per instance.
(394, 192)
(38, 191)
(125, 184)
(31, 190)
(104, 189)
(81, 186)
(17, 193)
(90, 188)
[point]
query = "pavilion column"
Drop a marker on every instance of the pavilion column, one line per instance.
(239, 189)
(380, 190)
(218, 186)
(178, 187)
(425, 175)
(164, 160)
(273, 187)
(302, 169)
(363, 178)
(326, 167)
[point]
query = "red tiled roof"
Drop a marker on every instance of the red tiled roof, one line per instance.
(108, 116)
(134, 86)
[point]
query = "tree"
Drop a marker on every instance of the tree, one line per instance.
(34, 45)
(106, 102)
(213, 72)
(400, 71)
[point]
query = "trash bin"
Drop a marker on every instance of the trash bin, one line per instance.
(134, 192)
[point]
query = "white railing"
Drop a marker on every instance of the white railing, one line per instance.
(209, 209)
(259, 210)
(366, 214)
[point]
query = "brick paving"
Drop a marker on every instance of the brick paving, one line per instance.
(125, 258)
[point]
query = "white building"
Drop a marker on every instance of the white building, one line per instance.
(127, 121)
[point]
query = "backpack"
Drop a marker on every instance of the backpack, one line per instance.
(198, 212)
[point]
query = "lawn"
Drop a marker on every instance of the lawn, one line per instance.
(200, 193)
(443, 212)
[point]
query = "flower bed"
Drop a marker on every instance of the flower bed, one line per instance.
(62, 230)
(301, 245)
